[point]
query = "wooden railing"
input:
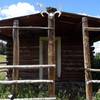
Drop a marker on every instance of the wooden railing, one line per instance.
(50, 98)
(4, 62)
(51, 52)
(87, 58)
(27, 81)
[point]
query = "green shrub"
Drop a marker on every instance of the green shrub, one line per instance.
(37, 90)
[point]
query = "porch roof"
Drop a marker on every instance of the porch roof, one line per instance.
(67, 22)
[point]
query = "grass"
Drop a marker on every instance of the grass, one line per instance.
(2, 58)
(2, 74)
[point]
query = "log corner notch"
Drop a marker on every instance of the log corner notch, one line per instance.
(15, 36)
(87, 59)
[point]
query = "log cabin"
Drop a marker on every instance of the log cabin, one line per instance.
(33, 45)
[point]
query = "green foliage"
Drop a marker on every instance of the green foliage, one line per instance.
(2, 75)
(96, 64)
(97, 96)
(2, 58)
(4, 91)
(3, 48)
(96, 61)
(38, 90)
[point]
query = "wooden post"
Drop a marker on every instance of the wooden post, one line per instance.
(15, 35)
(51, 54)
(87, 59)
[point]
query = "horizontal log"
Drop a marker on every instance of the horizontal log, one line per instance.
(74, 55)
(74, 69)
(93, 70)
(72, 58)
(72, 78)
(24, 27)
(25, 66)
(73, 74)
(24, 81)
(43, 98)
(23, 47)
(92, 28)
(3, 62)
(72, 64)
(92, 81)
(71, 50)
(3, 70)
(74, 61)
(25, 63)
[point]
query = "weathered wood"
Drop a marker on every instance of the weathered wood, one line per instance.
(44, 98)
(25, 66)
(25, 81)
(3, 70)
(25, 27)
(4, 62)
(68, 56)
(15, 34)
(51, 54)
(87, 59)
(69, 45)
(74, 69)
(93, 70)
(93, 81)
(93, 29)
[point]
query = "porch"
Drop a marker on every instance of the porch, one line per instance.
(42, 43)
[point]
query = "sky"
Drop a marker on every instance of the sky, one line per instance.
(14, 8)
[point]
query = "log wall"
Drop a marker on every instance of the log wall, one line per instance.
(71, 55)
(29, 54)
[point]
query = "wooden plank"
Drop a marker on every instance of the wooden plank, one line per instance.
(93, 70)
(93, 81)
(24, 81)
(15, 35)
(93, 29)
(25, 27)
(5, 62)
(3, 70)
(74, 69)
(43, 98)
(51, 54)
(25, 66)
(87, 59)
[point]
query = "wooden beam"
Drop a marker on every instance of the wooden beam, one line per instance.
(15, 35)
(3, 70)
(87, 59)
(66, 22)
(44, 98)
(51, 54)
(74, 69)
(25, 27)
(93, 29)
(93, 81)
(4, 62)
(93, 70)
(24, 81)
(25, 66)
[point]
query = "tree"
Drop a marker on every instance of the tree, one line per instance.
(2, 48)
